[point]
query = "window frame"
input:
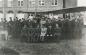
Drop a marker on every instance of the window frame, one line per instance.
(41, 2)
(1, 1)
(32, 2)
(20, 3)
(54, 3)
(10, 2)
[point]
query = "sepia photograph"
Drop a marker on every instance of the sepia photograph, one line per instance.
(42, 27)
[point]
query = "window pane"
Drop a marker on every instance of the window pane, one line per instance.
(21, 3)
(1, 3)
(0, 0)
(20, 0)
(1, 16)
(9, 15)
(18, 3)
(54, 2)
(31, 3)
(10, 0)
(10, 3)
(41, 2)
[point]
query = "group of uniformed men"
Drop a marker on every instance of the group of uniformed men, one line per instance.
(43, 28)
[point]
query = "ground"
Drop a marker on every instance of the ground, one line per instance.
(64, 47)
(61, 48)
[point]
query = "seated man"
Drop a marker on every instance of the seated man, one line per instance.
(50, 31)
(57, 32)
(43, 33)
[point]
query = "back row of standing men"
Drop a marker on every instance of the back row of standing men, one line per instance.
(67, 26)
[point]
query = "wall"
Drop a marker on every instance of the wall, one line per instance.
(46, 7)
(70, 3)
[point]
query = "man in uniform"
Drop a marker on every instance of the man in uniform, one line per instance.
(43, 33)
(10, 26)
(24, 34)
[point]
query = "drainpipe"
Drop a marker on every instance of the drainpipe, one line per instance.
(64, 6)
(3, 9)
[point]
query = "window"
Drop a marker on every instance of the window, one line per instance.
(1, 3)
(10, 3)
(20, 2)
(41, 3)
(32, 2)
(54, 2)
(8, 15)
(20, 15)
(1, 16)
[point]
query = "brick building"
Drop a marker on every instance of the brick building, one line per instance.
(71, 3)
(14, 8)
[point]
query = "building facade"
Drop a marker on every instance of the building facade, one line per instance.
(15, 8)
(71, 3)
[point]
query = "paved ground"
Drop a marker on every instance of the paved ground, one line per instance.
(44, 48)
(83, 43)
(64, 47)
